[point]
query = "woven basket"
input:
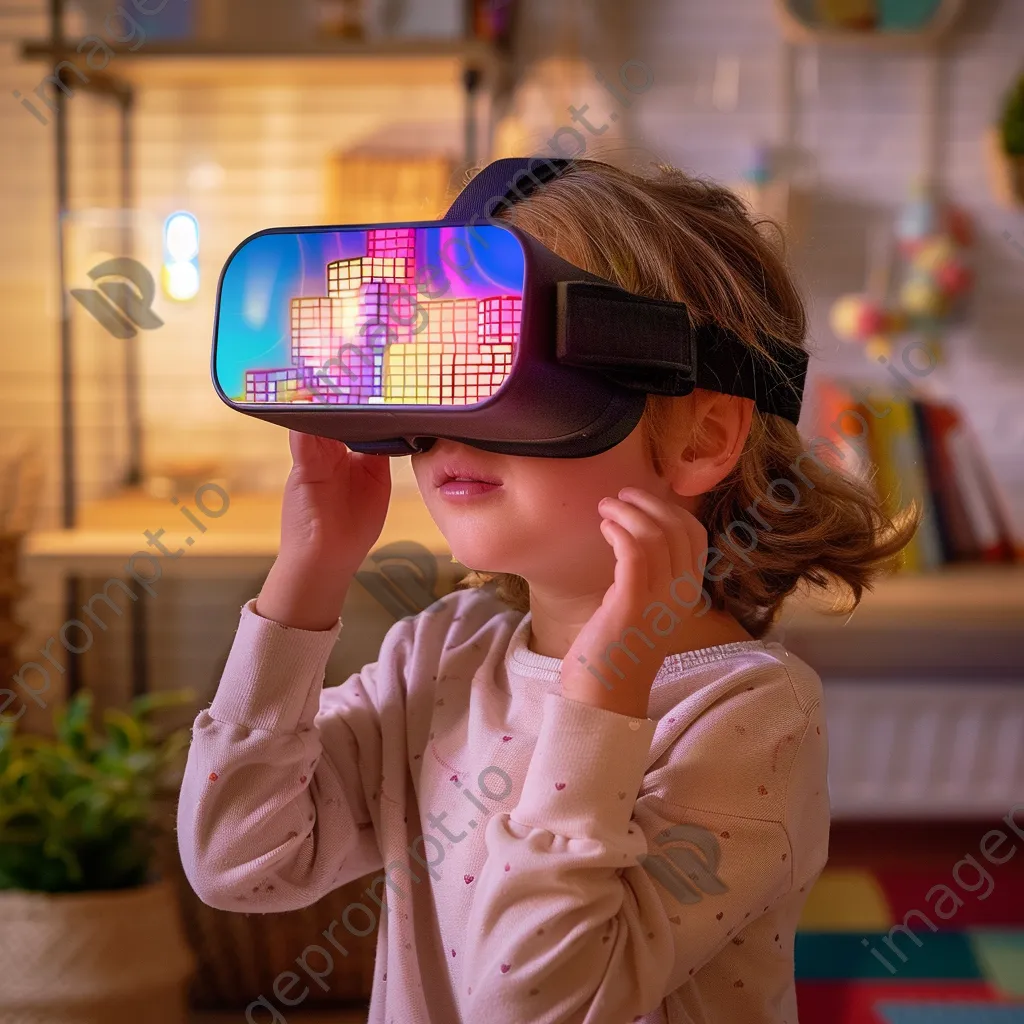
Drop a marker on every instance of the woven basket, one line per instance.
(93, 958)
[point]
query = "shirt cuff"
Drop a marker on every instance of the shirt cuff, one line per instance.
(274, 674)
(586, 770)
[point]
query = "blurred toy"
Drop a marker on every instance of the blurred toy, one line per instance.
(869, 318)
(862, 318)
(907, 15)
(850, 14)
(932, 239)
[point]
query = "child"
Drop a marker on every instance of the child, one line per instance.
(589, 788)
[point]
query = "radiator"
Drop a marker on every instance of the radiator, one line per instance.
(925, 749)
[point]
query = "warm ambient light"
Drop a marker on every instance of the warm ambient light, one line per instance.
(181, 236)
(181, 281)
(181, 257)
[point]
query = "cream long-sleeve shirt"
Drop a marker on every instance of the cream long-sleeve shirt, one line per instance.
(534, 859)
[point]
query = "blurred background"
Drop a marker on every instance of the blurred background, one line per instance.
(143, 141)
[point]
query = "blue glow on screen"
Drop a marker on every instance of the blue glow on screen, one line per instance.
(264, 276)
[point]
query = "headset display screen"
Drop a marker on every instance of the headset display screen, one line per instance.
(389, 315)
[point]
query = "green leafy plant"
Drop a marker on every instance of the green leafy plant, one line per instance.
(77, 809)
(1012, 122)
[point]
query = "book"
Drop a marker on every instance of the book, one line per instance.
(936, 420)
(914, 448)
(839, 431)
(981, 496)
(901, 477)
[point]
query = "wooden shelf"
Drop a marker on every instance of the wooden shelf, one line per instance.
(976, 596)
(797, 30)
(247, 533)
(412, 62)
(968, 596)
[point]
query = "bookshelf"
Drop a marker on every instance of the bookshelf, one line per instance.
(470, 63)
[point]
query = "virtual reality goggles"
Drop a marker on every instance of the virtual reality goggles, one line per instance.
(389, 336)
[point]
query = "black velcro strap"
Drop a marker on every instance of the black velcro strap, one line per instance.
(651, 345)
(503, 183)
(728, 364)
(646, 344)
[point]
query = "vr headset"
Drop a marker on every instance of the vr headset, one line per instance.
(389, 336)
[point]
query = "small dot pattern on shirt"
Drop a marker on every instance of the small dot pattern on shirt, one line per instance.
(441, 714)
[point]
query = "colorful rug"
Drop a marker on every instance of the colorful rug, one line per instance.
(955, 955)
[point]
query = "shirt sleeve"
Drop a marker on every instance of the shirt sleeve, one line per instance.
(270, 816)
(606, 889)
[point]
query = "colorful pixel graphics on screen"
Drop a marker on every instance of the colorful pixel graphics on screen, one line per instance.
(416, 316)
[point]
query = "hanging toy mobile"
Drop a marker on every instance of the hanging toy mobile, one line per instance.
(932, 241)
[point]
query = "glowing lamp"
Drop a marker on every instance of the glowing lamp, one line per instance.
(180, 276)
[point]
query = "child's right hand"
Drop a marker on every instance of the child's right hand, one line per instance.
(335, 502)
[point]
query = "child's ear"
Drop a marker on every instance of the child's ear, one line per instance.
(707, 456)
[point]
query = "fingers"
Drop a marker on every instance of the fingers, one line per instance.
(376, 467)
(671, 539)
(630, 561)
(323, 460)
(648, 534)
(686, 536)
(309, 449)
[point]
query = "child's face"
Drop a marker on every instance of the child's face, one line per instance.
(530, 516)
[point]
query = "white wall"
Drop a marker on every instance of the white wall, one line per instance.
(861, 123)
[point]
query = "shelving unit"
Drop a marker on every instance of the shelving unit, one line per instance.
(924, 693)
(974, 595)
(473, 63)
(405, 62)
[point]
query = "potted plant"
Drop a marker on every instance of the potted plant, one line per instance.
(87, 935)
(1006, 148)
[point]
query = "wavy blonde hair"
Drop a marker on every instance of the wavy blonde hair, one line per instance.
(670, 236)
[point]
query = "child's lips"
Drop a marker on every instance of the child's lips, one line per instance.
(461, 490)
(459, 473)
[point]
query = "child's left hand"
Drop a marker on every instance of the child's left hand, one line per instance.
(657, 587)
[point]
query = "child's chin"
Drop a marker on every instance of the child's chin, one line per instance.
(482, 558)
